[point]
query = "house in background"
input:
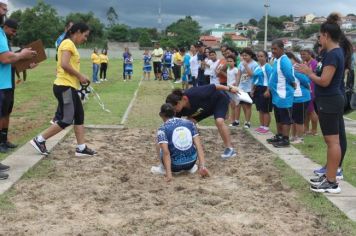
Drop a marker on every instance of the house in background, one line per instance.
(210, 41)
(239, 41)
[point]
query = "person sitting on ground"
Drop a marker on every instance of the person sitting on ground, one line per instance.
(179, 146)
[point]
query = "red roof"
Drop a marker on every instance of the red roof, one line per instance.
(236, 37)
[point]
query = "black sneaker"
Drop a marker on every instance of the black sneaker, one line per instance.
(274, 139)
(247, 125)
(10, 145)
(86, 152)
(281, 143)
(326, 187)
(317, 180)
(39, 146)
(234, 124)
(3, 175)
(3, 148)
(4, 168)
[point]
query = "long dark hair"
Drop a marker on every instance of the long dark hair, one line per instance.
(332, 28)
(291, 55)
(175, 97)
(81, 27)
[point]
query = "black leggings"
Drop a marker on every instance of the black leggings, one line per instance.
(332, 121)
(103, 68)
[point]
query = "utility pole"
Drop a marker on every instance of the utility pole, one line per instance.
(266, 21)
(160, 16)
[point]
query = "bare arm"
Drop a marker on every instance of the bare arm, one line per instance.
(203, 171)
(65, 64)
(324, 80)
(248, 69)
(12, 57)
(166, 161)
(231, 89)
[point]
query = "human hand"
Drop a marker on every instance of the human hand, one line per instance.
(83, 79)
(27, 53)
(302, 68)
(267, 94)
(168, 178)
(203, 171)
(33, 65)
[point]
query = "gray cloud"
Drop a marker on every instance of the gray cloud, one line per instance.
(144, 13)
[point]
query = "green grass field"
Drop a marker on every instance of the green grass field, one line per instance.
(35, 106)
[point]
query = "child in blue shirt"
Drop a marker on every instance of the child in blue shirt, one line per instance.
(179, 145)
(281, 85)
(128, 67)
(147, 68)
(260, 91)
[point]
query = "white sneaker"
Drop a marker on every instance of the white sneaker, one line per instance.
(297, 140)
(178, 81)
(158, 170)
(194, 169)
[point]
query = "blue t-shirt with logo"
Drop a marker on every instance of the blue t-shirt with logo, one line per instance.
(5, 69)
(167, 58)
(178, 134)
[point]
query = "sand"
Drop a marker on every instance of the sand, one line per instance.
(114, 193)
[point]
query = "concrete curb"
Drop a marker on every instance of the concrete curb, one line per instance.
(25, 158)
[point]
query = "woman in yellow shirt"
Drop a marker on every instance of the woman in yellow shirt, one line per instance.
(96, 64)
(65, 89)
(104, 61)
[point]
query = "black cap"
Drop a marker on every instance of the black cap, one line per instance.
(199, 44)
(11, 23)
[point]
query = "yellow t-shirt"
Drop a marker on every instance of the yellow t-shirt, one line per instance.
(63, 77)
(103, 58)
(95, 58)
(177, 58)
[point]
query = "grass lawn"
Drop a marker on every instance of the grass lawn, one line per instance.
(35, 106)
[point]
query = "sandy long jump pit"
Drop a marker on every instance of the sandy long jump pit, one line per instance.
(114, 193)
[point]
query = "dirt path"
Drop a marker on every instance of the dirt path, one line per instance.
(115, 193)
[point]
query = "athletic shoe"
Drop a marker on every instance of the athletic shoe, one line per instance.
(281, 143)
(297, 140)
(234, 124)
(247, 125)
(274, 139)
(3, 175)
(39, 146)
(85, 152)
(10, 145)
(4, 168)
(158, 170)
(178, 81)
(264, 131)
(3, 148)
(317, 180)
(228, 153)
(194, 169)
(326, 187)
(321, 171)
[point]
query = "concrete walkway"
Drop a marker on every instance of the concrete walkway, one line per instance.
(350, 126)
(25, 158)
(345, 201)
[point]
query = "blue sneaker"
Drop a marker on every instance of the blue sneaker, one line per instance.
(339, 175)
(228, 153)
(321, 171)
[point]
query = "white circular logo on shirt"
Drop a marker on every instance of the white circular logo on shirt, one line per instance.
(182, 138)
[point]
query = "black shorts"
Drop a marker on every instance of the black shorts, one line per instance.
(220, 109)
(157, 67)
(330, 111)
(70, 106)
(283, 115)
(263, 104)
(6, 102)
(299, 112)
(178, 168)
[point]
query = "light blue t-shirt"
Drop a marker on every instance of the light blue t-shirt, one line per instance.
(178, 134)
(246, 80)
(302, 91)
(5, 69)
(262, 75)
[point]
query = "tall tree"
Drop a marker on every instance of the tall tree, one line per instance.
(183, 32)
(112, 16)
(39, 22)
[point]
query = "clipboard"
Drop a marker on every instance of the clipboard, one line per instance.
(41, 56)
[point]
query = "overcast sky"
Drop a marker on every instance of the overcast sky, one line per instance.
(144, 13)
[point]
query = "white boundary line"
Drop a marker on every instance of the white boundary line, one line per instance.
(128, 110)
